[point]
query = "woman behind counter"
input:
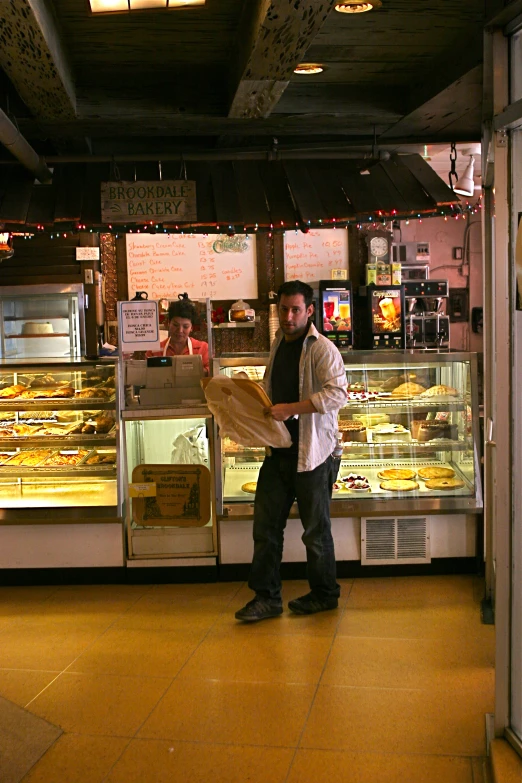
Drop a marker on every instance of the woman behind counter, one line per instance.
(181, 317)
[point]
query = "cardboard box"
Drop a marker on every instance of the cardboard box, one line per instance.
(396, 274)
(371, 274)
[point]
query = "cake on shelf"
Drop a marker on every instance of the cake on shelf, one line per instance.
(423, 431)
(386, 433)
(34, 327)
(352, 430)
(371, 419)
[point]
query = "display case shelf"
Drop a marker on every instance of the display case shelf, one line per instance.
(405, 448)
(411, 406)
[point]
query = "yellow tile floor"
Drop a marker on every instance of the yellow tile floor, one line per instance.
(160, 684)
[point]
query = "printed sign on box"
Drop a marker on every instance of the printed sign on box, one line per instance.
(139, 326)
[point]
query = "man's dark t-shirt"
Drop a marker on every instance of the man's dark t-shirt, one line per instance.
(285, 384)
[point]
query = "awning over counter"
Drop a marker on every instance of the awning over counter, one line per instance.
(238, 193)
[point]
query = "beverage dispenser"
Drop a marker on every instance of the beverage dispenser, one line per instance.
(386, 316)
(335, 312)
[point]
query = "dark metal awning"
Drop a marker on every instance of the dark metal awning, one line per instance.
(271, 194)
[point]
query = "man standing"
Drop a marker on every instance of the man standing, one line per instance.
(306, 381)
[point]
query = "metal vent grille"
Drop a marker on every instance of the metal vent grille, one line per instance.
(395, 540)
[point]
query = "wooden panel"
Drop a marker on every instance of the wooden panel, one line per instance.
(91, 209)
(228, 211)
(16, 186)
(328, 186)
(68, 180)
(200, 173)
(307, 200)
(359, 188)
(41, 206)
(251, 192)
(280, 204)
(406, 183)
(389, 198)
(430, 181)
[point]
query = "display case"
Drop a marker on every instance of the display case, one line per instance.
(42, 322)
(167, 474)
(58, 441)
(409, 432)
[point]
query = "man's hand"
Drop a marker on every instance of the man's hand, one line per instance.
(281, 412)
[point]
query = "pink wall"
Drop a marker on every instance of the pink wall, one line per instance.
(443, 236)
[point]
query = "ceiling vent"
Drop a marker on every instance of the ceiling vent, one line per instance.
(395, 540)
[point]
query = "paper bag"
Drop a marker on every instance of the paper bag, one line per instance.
(241, 415)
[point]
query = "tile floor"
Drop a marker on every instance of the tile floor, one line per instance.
(159, 683)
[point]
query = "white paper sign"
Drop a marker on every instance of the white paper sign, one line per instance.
(139, 326)
(87, 253)
(313, 256)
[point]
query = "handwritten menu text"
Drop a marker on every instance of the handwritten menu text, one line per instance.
(312, 256)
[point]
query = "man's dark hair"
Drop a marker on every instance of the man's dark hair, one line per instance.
(293, 287)
(183, 308)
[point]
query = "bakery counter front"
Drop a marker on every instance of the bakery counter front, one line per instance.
(409, 467)
(59, 464)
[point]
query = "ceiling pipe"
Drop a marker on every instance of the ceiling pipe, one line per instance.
(211, 155)
(13, 140)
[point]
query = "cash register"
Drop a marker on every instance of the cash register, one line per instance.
(165, 380)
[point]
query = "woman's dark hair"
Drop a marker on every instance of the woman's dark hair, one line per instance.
(293, 287)
(182, 308)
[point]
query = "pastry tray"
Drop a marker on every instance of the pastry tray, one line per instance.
(80, 468)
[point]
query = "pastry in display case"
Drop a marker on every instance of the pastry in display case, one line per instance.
(409, 433)
(58, 448)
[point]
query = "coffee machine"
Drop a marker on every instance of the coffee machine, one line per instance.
(427, 325)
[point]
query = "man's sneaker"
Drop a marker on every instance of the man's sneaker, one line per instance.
(311, 604)
(259, 609)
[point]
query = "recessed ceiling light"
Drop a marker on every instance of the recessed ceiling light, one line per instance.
(356, 7)
(308, 68)
(125, 6)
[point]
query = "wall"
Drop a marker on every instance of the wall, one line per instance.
(443, 236)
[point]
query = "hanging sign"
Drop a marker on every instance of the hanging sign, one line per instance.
(143, 202)
(139, 326)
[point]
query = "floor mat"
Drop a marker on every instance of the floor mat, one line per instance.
(24, 738)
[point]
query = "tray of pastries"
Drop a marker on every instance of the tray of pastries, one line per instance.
(28, 458)
(66, 458)
(101, 457)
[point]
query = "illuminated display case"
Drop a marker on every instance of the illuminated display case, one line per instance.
(58, 440)
(410, 419)
(42, 322)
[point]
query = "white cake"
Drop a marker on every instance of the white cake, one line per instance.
(32, 327)
(385, 433)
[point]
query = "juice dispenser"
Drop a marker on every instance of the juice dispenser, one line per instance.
(335, 316)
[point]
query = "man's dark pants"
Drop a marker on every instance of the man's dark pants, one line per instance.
(279, 484)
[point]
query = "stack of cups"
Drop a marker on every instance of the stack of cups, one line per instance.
(273, 322)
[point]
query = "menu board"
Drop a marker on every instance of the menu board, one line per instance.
(313, 256)
(210, 266)
(386, 311)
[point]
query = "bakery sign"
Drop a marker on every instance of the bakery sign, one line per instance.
(145, 202)
(181, 497)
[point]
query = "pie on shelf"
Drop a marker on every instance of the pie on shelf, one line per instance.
(408, 389)
(250, 486)
(440, 391)
(435, 473)
(399, 485)
(397, 473)
(445, 483)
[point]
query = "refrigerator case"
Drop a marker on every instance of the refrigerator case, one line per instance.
(405, 411)
(58, 441)
(42, 322)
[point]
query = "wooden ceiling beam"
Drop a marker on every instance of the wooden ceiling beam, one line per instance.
(272, 39)
(33, 57)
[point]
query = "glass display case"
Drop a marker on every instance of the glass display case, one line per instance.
(58, 438)
(167, 472)
(409, 432)
(42, 322)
